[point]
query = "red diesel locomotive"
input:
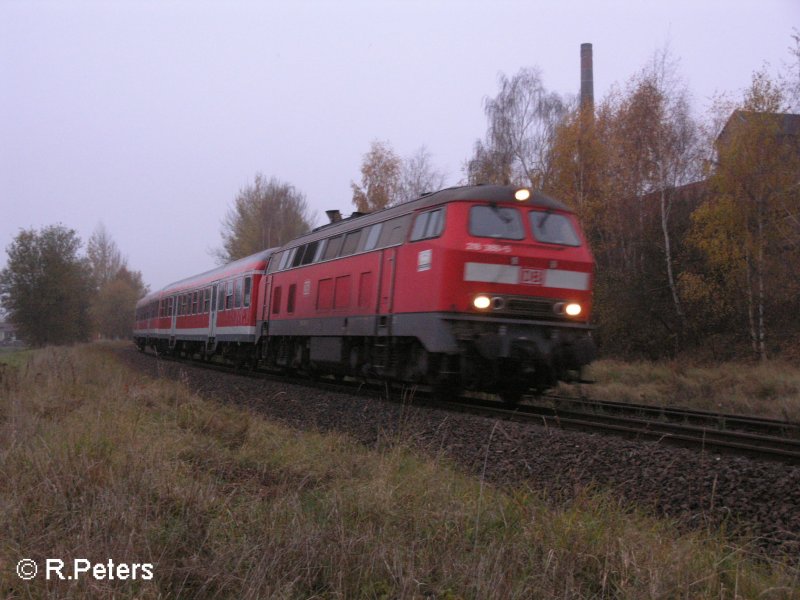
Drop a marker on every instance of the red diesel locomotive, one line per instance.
(480, 287)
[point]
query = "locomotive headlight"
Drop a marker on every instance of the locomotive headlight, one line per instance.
(481, 302)
(573, 309)
(522, 194)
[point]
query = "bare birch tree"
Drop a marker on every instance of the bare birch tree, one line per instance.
(522, 119)
(418, 176)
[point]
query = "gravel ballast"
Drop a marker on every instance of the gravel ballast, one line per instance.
(699, 490)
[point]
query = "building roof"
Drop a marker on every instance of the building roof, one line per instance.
(785, 124)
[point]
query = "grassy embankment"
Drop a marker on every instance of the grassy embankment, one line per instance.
(770, 389)
(100, 463)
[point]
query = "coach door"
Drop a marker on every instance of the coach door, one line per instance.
(212, 318)
(174, 324)
(386, 290)
(382, 350)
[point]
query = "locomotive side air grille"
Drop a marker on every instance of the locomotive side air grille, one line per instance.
(529, 307)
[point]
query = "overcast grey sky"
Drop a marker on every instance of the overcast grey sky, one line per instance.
(150, 115)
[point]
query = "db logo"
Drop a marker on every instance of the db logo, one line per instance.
(532, 276)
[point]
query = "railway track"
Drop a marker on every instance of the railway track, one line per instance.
(706, 438)
(701, 418)
(755, 437)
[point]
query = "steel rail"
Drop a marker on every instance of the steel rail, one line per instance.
(693, 416)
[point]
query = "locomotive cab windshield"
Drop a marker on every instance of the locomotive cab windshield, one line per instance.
(552, 228)
(493, 221)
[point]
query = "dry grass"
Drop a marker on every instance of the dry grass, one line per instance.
(770, 389)
(97, 462)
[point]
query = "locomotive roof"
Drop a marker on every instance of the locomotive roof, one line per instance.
(488, 193)
(477, 193)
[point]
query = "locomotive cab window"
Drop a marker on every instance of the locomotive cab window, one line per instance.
(428, 225)
(553, 228)
(492, 221)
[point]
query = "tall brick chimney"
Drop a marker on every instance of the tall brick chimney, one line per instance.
(587, 77)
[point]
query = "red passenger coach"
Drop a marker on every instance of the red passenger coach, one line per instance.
(483, 287)
(214, 312)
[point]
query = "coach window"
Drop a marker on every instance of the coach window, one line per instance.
(237, 298)
(194, 303)
(495, 222)
(428, 225)
(221, 296)
(290, 298)
(333, 247)
(229, 296)
(248, 284)
(350, 243)
(206, 300)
